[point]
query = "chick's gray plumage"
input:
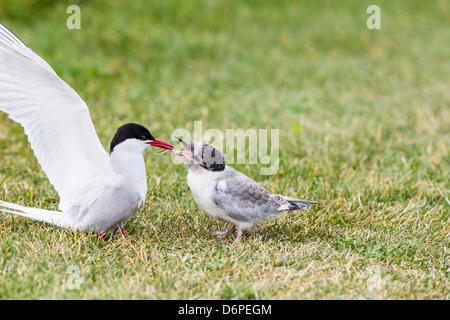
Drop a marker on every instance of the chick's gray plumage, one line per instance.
(228, 195)
(245, 200)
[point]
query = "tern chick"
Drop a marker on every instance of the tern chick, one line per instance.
(228, 195)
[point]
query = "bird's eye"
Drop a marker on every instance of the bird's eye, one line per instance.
(143, 138)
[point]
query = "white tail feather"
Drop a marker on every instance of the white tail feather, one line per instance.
(53, 217)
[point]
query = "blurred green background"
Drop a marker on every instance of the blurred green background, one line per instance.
(364, 118)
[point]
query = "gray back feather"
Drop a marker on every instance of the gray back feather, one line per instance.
(245, 200)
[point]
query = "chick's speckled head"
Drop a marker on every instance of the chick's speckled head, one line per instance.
(204, 155)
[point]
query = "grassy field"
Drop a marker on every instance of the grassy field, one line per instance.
(364, 118)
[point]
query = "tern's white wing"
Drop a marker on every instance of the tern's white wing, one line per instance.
(56, 120)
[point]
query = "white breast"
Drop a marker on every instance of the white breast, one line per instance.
(202, 184)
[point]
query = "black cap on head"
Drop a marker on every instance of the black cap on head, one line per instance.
(130, 131)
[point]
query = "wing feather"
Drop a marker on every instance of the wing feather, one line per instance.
(55, 118)
(245, 200)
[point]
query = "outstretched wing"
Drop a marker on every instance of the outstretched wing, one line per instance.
(55, 119)
(245, 200)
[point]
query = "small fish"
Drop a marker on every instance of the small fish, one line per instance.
(161, 152)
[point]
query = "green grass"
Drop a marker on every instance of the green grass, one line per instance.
(364, 119)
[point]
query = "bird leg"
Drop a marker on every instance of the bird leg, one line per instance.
(100, 236)
(122, 230)
(239, 235)
(223, 234)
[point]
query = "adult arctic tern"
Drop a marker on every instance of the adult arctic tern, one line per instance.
(97, 190)
(228, 195)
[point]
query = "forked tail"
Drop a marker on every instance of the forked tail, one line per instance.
(53, 217)
(298, 204)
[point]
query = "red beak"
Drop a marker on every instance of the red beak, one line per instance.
(161, 144)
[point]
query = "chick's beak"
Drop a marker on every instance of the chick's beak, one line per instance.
(184, 154)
